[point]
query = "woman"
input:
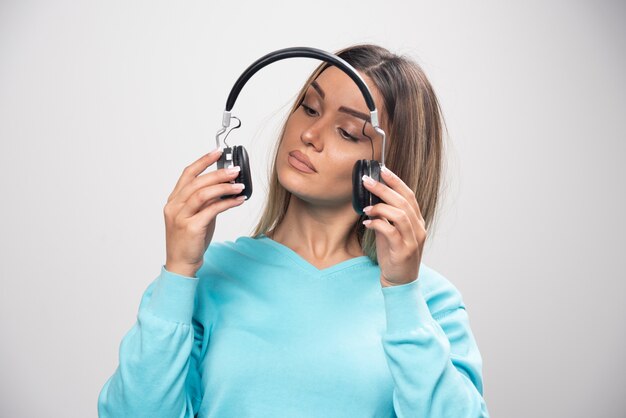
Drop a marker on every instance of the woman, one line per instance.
(321, 312)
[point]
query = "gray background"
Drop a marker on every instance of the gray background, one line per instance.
(103, 104)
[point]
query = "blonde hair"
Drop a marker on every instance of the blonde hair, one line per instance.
(414, 149)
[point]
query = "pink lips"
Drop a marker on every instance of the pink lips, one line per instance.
(302, 158)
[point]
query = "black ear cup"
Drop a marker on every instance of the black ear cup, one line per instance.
(239, 157)
(361, 197)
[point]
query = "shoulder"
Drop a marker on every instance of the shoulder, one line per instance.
(227, 263)
(219, 252)
(439, 292)
(225, 257)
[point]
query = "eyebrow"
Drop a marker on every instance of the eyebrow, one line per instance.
(343, 109)
(318, 89)
(355, 113)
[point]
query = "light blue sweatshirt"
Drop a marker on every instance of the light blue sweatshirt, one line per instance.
(261, 332)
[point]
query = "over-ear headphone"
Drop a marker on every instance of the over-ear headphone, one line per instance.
(237, 155)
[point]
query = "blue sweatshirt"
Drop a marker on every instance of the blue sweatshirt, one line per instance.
(261, 332)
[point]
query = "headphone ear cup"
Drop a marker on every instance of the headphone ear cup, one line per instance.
(358, 190)
(240, 158)
(361, 197)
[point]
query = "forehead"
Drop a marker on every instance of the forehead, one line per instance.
(340, 88)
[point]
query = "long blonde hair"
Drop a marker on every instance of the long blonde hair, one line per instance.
(415, 145)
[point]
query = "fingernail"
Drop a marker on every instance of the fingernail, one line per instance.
(367, 222)
(368, 180)
(367, 209)
(215, 151)
(233, 170)
(385, 170)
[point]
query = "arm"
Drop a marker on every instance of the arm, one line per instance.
(158, 358)
(434, 359)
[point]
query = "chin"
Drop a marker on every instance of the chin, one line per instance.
(313, 194)
(292, 182)
(312, 191)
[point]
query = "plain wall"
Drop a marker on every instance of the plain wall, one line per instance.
(103, 104)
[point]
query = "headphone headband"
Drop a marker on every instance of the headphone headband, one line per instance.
(237, 155)
(303, 52)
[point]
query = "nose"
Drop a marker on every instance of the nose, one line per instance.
(312, 134)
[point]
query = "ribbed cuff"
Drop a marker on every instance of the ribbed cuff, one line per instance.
(405, 307)
(173, 296)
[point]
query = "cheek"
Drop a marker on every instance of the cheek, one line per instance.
(341, 157)
(342, 169)
(294, 122)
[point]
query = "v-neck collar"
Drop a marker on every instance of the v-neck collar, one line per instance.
(300, 261)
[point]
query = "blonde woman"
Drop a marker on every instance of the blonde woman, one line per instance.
(321, 312)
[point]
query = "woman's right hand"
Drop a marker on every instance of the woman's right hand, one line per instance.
(191, 210)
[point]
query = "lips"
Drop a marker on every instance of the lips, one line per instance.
(303, 159)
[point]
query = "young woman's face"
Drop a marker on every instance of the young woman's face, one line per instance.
(325, 129)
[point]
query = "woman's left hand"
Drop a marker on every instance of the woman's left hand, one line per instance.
(400, 230)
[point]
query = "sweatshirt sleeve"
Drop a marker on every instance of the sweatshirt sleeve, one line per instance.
(157, 375)
(434, 360)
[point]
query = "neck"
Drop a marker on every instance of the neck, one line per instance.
(318, 233)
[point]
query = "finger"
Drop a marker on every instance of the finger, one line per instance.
(195, 168)
(222, 175)
(203, 217)
(389, 232)
(399, 219)
(396, 183)
(393, 198)
(200, 197)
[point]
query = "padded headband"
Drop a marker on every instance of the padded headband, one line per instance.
(304, 52)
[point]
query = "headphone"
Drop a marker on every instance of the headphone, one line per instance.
(237, 154)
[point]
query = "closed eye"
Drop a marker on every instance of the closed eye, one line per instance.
(308, 110)
(346, 135)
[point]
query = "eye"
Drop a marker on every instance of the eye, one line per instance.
(346, 135)
(308, 110)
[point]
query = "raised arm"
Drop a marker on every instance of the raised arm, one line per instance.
(158, 372)
(433, 358)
